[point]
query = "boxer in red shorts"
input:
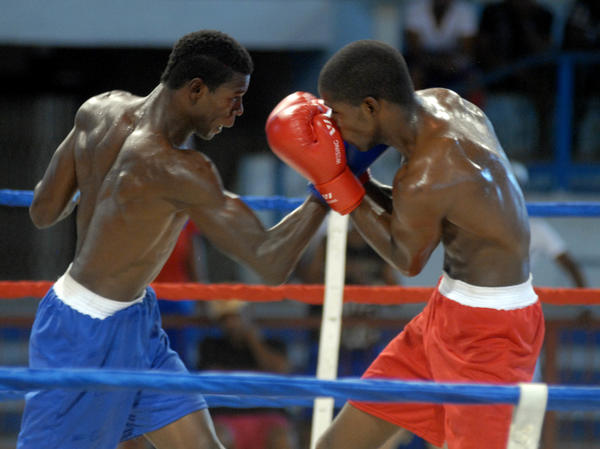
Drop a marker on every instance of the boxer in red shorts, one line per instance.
(484, 322)
(455, 339)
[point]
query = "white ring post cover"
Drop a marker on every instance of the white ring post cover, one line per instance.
(528, 417)
(331, 321)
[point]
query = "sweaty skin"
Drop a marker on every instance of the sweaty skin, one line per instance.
(455, 187)
(139, 187)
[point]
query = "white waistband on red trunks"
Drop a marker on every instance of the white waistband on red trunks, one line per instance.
(501, 298)
(85, 301)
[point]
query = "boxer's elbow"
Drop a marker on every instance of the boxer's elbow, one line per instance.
(41, 215)
(274, 281)
(38, 209)
(409, 263)
(416, 265)
(41, 221)
(273, 276)
(274, 271)
(409, 268)
(274, 262)
(414, 269)
(44, 212)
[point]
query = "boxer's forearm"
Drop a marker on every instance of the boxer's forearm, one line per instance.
(380, 194)
(373, 223)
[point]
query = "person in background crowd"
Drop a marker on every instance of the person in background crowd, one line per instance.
(546, 242)
(582, 33)
(185, 264)
(439, 38)
(509, 31)
(242, 347)
(582, 29)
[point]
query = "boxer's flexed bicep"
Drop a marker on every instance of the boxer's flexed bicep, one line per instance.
(232, 227)
(229, 224)
(221, 216)
(272, 253)
(53, 197)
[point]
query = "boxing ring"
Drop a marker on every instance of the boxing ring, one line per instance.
(324, 392)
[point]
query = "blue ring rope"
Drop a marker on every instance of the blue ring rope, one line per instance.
(213, 400)
(268, 391)
(277, 387)
(23, 198)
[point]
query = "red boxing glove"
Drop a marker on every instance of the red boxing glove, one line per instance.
(292, 99)
(303, 137)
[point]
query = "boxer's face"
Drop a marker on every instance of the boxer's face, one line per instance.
(218, 109)
(356, 123)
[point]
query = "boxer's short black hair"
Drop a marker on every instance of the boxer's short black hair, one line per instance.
(210, 55)
(367, 68)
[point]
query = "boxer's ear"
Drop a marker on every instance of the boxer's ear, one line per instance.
(197, 88)
(370, 105)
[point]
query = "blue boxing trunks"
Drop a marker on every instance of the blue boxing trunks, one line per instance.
(76, 328)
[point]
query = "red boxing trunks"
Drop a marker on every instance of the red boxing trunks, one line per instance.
(465, 333)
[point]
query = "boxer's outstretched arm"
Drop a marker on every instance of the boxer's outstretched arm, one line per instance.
(235, 229)
(53, 196)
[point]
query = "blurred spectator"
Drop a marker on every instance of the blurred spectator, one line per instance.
(582, 29)
(439, 41)
(185, 264)
(546, 242)
(359, 339)
(582, 33)
(242, 348)
(509, 31)
(363, 265)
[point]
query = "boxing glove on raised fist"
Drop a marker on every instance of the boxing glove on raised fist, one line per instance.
(301, 134)
(292, 99)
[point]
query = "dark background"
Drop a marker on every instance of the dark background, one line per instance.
(40, 91)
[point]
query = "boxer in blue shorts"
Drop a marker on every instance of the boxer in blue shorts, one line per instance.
(125, 165)
(77, 328)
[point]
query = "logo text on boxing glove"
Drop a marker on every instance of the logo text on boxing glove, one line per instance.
(336, 143)
(329, 126)
(329, 198)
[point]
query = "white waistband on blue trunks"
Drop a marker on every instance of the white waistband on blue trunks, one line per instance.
(501, 298)
(85, 301)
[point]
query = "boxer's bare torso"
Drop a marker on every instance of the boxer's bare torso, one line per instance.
(128, 175)
(455, 187)
(139, 187)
